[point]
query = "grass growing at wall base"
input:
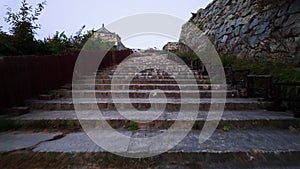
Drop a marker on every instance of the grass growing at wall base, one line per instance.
(280, 71)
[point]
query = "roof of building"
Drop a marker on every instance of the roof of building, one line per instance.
(103, 30)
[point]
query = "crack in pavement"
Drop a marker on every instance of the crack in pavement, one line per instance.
(30, 148)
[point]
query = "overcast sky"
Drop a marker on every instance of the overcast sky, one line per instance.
(70, 15)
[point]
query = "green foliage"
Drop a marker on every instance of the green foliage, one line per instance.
(78, 39)
(24, 25)
(6, 45)
(23, 29)
(280, 71)
(133, 126)
(97, 44)
(59, 44)
(227, 128)
(199, 24)
(294, 128)
(186, 56)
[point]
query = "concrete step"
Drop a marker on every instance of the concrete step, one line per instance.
(130, 72)
(149, 77)
(150, 86)
(144, 104)
(250, 148)
(143, 81)
(68, 121)
(138, 74)
(144, 93)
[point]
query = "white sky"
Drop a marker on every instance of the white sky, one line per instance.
(70, 15)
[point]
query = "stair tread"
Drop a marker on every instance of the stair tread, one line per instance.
(168, 115)
(150, 91)
(233, 141)
(159, 84)
(146, 100)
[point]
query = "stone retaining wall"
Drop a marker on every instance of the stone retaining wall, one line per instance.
(239, 28)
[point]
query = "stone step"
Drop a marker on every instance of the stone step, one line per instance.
(133, 72)
(126, 72)
(144, 93)
(149, 77)
(150, 86)
(152, 66)
(144, 104)
(143, 81)
(68, 120)
(250, 148)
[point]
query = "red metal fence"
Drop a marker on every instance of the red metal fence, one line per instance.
(23, 77)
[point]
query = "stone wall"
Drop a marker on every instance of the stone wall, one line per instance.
(239, 28)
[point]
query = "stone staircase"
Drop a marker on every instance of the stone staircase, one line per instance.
(51, 136)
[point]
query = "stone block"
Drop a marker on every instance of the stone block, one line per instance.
(292, 19)
(254, 23)
(282, 11)
(294, 7)
(252, 41)
(46, 97)
(16, 111)
(279, 21)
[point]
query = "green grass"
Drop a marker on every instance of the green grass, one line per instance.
(294, 128)
(227, 128)
(281, 71)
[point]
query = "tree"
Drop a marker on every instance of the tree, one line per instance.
(59, 44)
(24, 26)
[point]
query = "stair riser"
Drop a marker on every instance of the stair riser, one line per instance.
(68, 94)
(146, 81)
(181, 77)
(143, 87)
(179, 72)
(182, 159)
(142, 106)
(124, 124)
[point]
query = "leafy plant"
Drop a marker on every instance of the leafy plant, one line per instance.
(59, 44)
(227, 128)
(294, 128)
(24, 25)
(133, 126)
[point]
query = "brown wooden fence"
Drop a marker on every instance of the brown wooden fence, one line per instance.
(23, 77)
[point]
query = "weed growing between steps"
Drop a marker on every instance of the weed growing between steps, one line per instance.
(227, 128)
(294, 128)
(132, 126)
